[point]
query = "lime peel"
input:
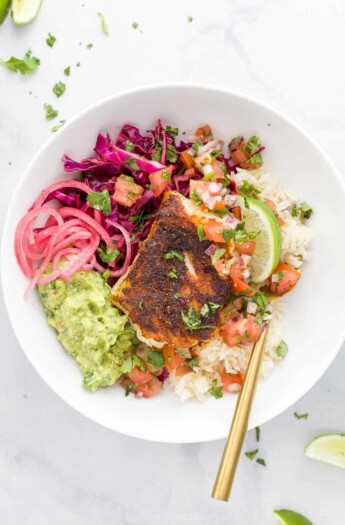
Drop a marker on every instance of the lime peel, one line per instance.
(290, 517)
(4, 8)
(25, 11)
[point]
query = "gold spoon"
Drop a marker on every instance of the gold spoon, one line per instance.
(233, 446)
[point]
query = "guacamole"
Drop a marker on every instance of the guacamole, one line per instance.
(90, 328)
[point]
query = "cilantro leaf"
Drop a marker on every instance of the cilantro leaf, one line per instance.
(205, 310)
(176, 295)
(193, 362)
(248, 190)
(261, 299)
(172, 254)
(129, 145)
(255, 159)
(216, 390)
(89, 46)
(301, 416)
(261, 462)
(228, 234)
(251, 455)
(50, 41)
(190, 19)
(252, 144)
(100, 201)
(132, 361)
(67, 71)
(217, 255)
(214, 307)
(50, 112)
(105, 27)
(141, 305)
(132, 163)
(135, 25)
(156, 359)
(58, 126)
(257, 433)
(173, 132)
(59, 88)
(201, 232)
(196, 197)
(306, 210)
(282, 349)
(108, 256)
(172, 274)
(28, 65)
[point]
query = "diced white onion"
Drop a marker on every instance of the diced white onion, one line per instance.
(267, 317)
(246, 273)
(214, 187)
(275, 278)
(234, 388)
(252, 307)
(207, 169)
(209, 146)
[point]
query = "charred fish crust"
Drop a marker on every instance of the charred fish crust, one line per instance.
(164, 287)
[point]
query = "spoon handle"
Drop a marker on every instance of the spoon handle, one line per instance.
(233, 446)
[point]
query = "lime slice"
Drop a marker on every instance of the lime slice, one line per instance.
(24, 11)
(329, 448)
(4, 8)
(258, 216)
(289, 517)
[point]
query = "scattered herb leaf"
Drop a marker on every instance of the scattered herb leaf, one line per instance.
(105, 27)
(156, 359)
(109, 255)
(216, 391)
(261, 462)
(251, 455)
(217, 255)
(172, 254)
(67, 71)
(301, 416)
(28, 65)
(59, 88)
(58, 126)
(282, 349)
(100, 201)
(257, 433)
(201, 232)
(50, 40)
(51, 113)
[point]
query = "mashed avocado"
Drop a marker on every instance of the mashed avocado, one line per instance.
(90, 328)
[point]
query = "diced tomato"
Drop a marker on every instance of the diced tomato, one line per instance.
(190, 173)
(139, 377)
(241, 287)
(270, 204)
(149, 389)
(182, 370)
(237, 213)
(201, 187)
(232, 332)
(230, 379)
(127, 192)
(204, 132)
(213, 231)
(235, 271)
(172, 358)
(281, 222)
(253, 329)
(289, 277)
(160, 179)
(247, 248)
(218, 265)
(218, 172)
(239, 156)
(186, 159)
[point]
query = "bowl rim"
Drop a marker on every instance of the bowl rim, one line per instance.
(142, 89)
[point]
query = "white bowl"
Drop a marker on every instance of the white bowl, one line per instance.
(315, 312)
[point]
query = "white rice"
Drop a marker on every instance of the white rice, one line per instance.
(216, 355)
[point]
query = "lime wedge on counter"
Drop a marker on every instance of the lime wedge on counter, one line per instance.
(24, 11)
(4, 8)
(289, 517)
(258, 216)
(329, 448)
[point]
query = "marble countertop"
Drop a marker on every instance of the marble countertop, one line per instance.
(57, 467)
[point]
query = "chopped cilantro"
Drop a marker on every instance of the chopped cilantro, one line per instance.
(257, 433)
(59, 88)
(192, 320)
(252, 144)
(261, 462)
(51, 113)
(132, 163)
(251, 455)
(192, 363)
(222, 211)
(172, 254)
(223, 168)
(215, 153)
(135, 25)
(190, 19)
(67, 71)
(255, 159)
(217, 255)
(176, 295)
(214, 307)
(129, 145)
(280, 275)
(294, 211)
(282, 349)
(216, 390)
(50, 41)
(261, 300)
(172, 274)
(132, 361)
(301, 416)
(106, 274)
(78, 64)
(306, 210)
(240, 234)
(173, 132)
(58, 126)
(156, 359)
(196, 197)
(180, 351)
(26, 66)
(228, 234)
(201, 232)
(248, 190)
(100, 201)
(109, 255)
(171, 153)
(105, 28)
(205, 310)
(166, 175)
(140, 305)
(89, 46)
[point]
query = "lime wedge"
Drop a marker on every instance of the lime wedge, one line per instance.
(4, 8)
(258, 216)
(289, 517)
(329, 448)
(24, 11)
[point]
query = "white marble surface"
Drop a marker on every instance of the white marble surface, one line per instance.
(57, 467)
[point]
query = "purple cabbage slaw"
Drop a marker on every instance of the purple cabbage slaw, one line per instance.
(136, 155)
